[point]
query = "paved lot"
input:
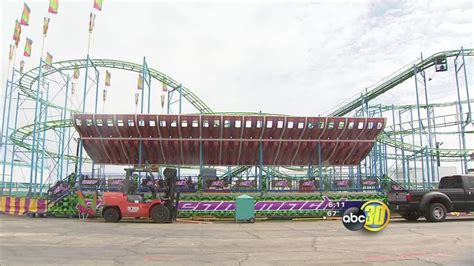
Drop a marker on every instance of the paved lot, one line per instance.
(66, 241)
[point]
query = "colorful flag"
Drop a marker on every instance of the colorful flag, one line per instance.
(11, 52)
(53, 6)
(140, 82)
(49, 59)
(25, 16)
(98, 4)
(81, 199)
(45, 25)
(22, 66)
(17, 32)
(91, 22)
(165, 88)
(104, 95)
(76, 72)
(107, 78)
(162, 101)
(137, 95)
(94, 202)
(27, 51)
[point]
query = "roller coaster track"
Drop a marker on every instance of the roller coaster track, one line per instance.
(395, 79)
(29, 78)
(27, 81)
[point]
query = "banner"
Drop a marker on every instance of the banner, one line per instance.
(310, 205)
(22, 205)
(27, 51)
(162, 101)
(25, 16)
(45, 26)
(91, 22)
(369, 182)
(53, 6)
(11, 52)
(216, 185)
(49, 59)
(98, 4)
(107, 78)
(91, 183)
(22, 66)
(140, 82)
(137, 96)
(164, 88)
(17, 33)
(76, 72)
(246, 184)
(116, 183)
(343, 183)
(308, 185)
(281, 183)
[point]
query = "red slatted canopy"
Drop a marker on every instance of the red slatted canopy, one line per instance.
(226, 139)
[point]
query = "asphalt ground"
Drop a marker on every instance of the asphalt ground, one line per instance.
(39, 241)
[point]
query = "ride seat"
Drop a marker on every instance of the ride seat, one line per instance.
(135, 198)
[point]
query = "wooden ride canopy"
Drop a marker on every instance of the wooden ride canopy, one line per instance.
(227, 140)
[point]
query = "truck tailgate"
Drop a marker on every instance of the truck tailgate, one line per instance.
(398, 196)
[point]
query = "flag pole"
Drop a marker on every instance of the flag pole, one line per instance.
(14, 58)
(42, 46)
(10, 59)
(89, 42)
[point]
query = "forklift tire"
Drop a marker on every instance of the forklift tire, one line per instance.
(111, 215)
(160, 214)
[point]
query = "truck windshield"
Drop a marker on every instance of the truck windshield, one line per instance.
(451, 182)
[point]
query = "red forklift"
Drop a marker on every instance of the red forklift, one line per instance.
(129, 203)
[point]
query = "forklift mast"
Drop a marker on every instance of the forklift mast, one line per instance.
(171, 194)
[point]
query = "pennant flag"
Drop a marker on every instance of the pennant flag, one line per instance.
(165, 88)
(49, 59)
(25, 16)
(17, 32)
(94, 202)
(82, 205)
(91, 22)
(140, 82)
(104, 95)
(11, 52)
(162, 101)
(98, 4)
(45, 26)
(81, 199)
(107, 78)
(22, 66)
(137, 95)
(76, 72)
(27, 51)
(53, 6)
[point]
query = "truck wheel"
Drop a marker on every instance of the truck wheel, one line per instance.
(111, 215)
(436, 213)
(160, 214)
(410, 216)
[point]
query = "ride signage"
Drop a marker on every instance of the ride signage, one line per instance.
(308, 185)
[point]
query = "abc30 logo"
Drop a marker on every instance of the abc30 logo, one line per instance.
(373, 216)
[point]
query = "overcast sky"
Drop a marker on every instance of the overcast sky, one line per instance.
(296, 58)
(299, 58)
